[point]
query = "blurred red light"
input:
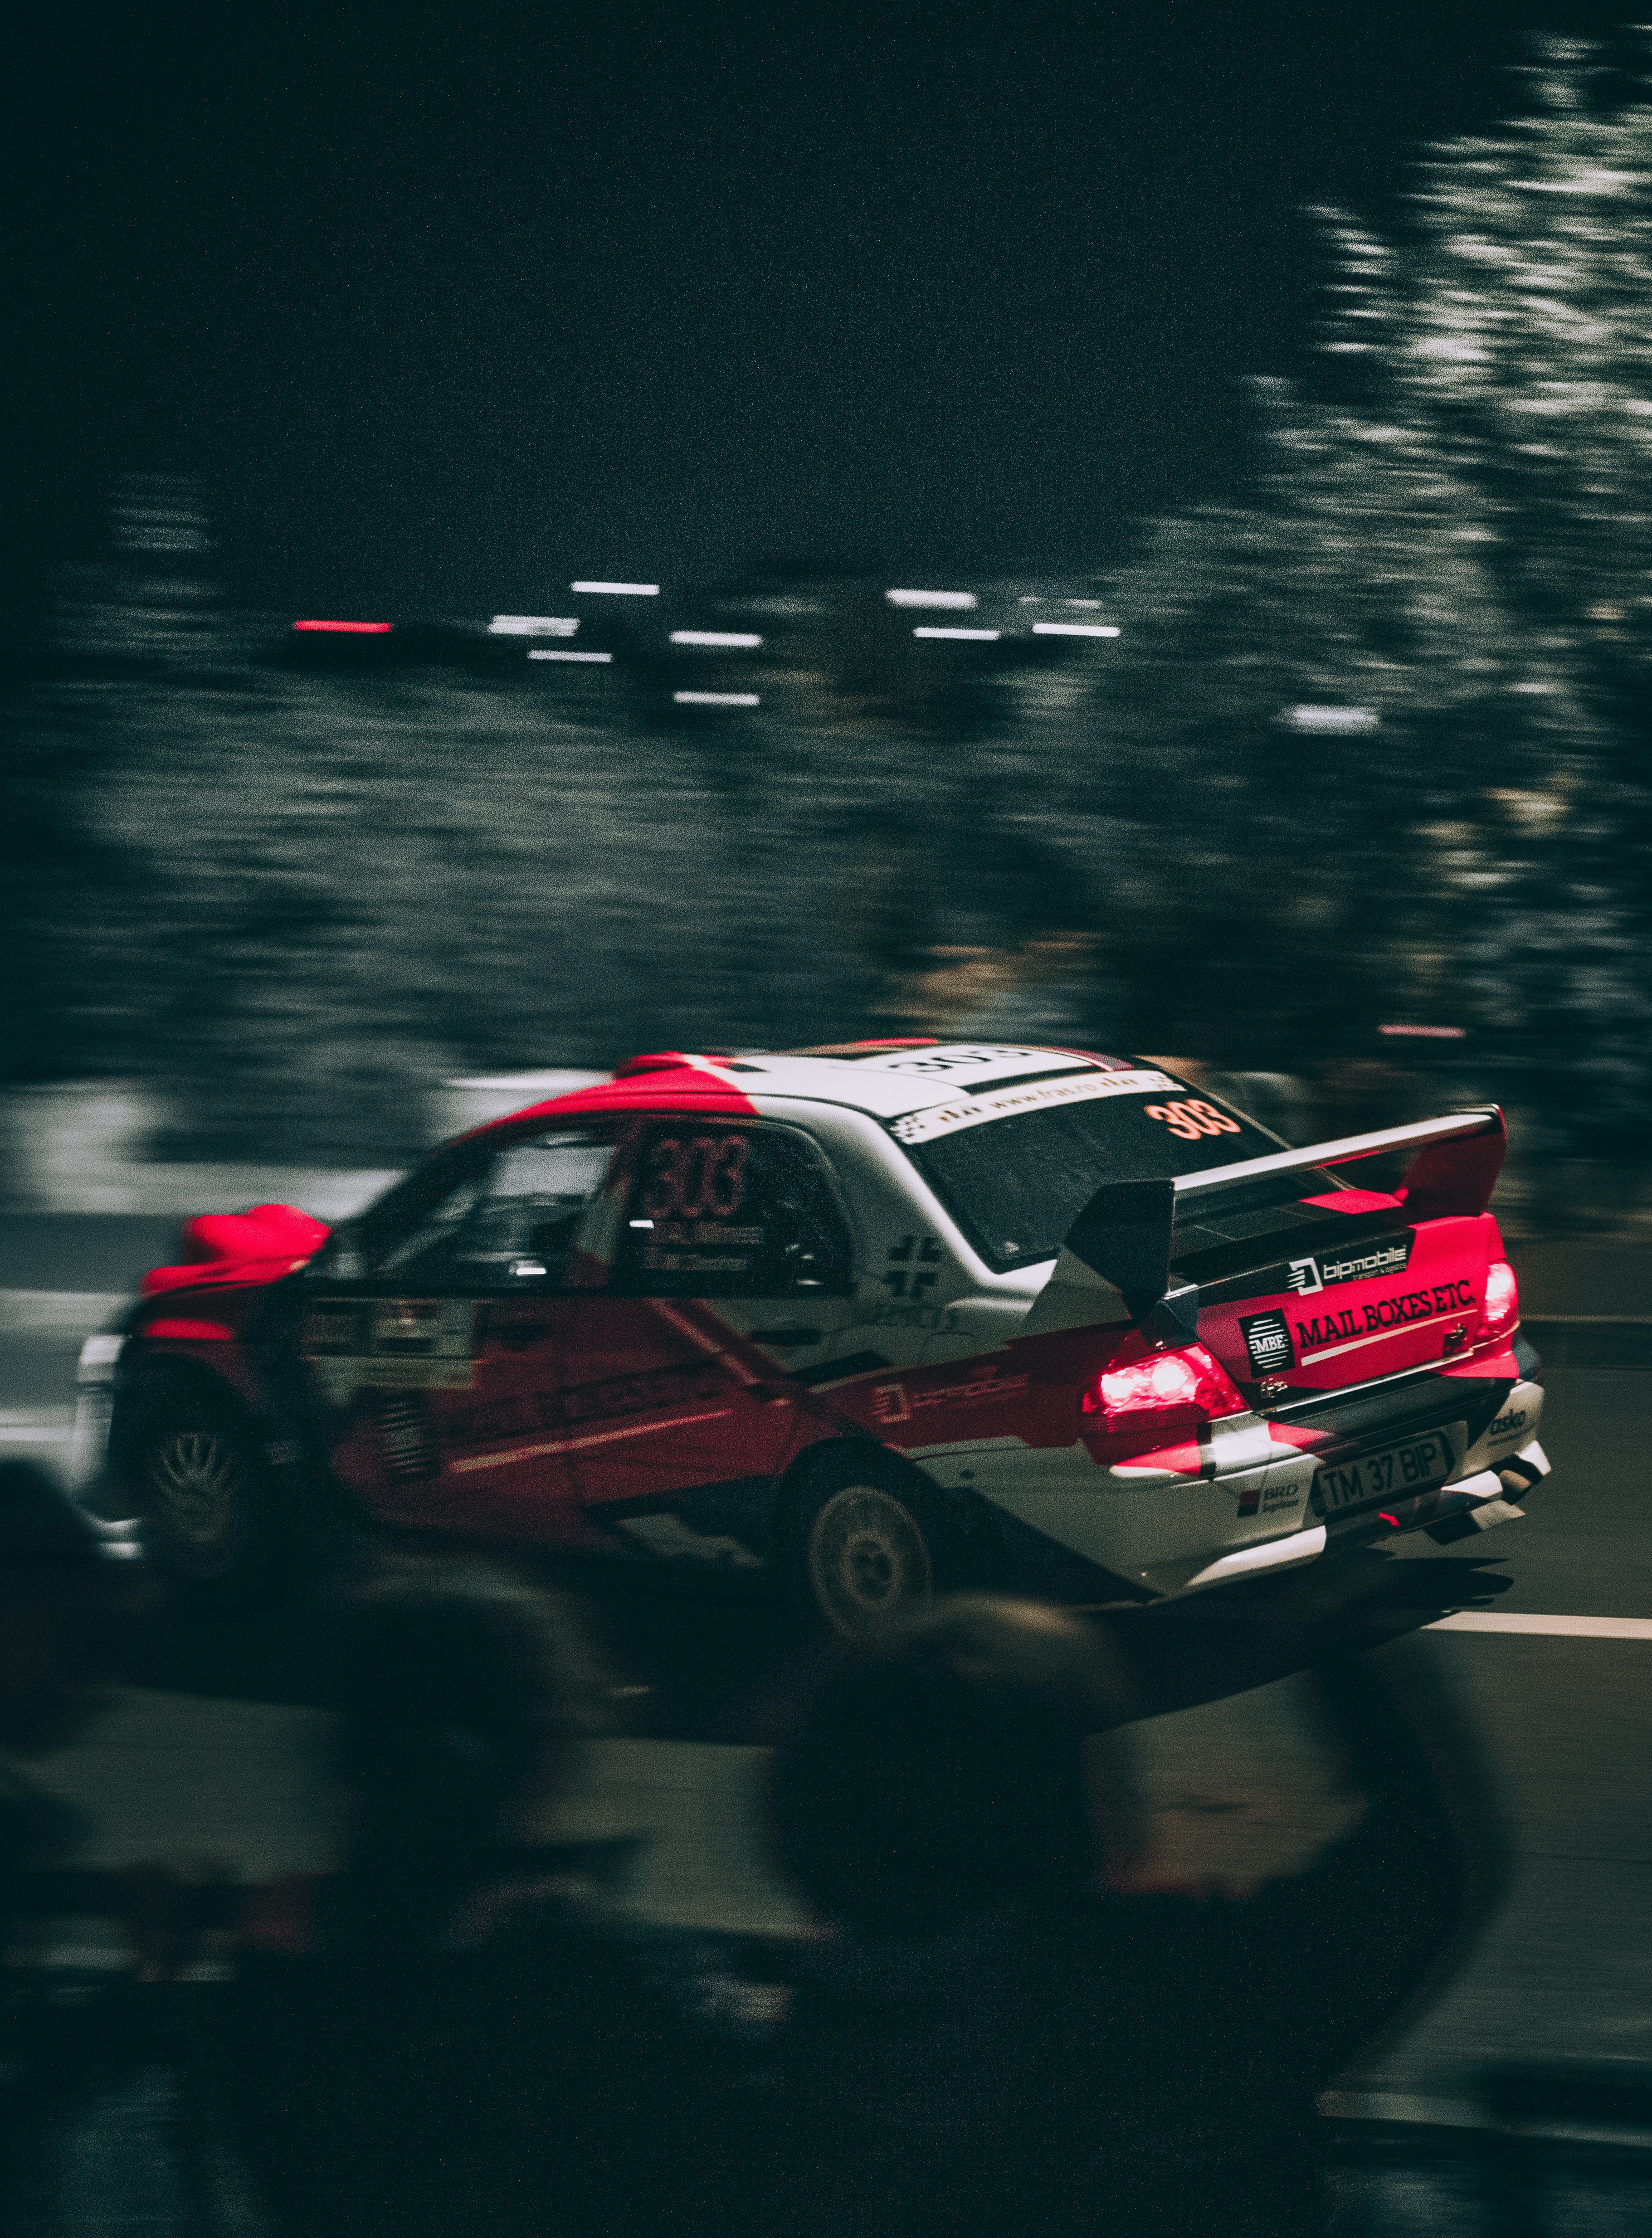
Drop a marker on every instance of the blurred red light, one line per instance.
(1189, 1379)
(1502, 1308)
(353, 629)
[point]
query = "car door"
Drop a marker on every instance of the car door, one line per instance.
(436, 1337)
(679, 1424)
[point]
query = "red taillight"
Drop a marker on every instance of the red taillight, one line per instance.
(1502, 1308)
(1189, 1381)
(349, 629)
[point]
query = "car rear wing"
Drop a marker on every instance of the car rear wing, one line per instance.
(1124, 1233)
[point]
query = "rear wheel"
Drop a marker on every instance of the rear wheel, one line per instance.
(204, 1495)
(866, 1542)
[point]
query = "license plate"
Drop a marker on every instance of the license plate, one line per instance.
(1397, 1473)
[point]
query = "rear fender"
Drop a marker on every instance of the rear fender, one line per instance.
(963, 1509)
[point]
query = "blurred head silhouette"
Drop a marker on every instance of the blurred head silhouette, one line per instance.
(62, 1602)
(959, 1761)
(465, 1694)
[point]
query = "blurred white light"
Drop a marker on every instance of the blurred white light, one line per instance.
(1592, 180)
(961, 600)
(955, 633)
(533, 625)
(1034, 599)
(621, 590)
(714, 637)
(1083, 602)
(715, 698)
(544, 653)
(1331, 718)
(1074, 629)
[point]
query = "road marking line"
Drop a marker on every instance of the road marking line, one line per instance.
(1408, 2110)
(1402, 2106)
(1553, 1628)
(1590, 1320)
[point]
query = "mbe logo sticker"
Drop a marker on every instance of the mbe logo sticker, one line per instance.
(1268, 1341)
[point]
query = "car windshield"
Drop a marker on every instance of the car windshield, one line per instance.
(1015, 1180)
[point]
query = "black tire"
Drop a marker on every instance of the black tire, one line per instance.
(863, 1540)
(202, 1490)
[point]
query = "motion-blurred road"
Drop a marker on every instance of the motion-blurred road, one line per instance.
(216, 1753)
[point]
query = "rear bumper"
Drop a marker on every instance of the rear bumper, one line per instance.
(1498, 1472)
(1157, 1527)
(1509, 1480)
(1259, 1561)
(1176, 1534)
(1491, 1493)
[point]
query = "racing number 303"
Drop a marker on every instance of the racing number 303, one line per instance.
(704, 1177)
(1189, 1120)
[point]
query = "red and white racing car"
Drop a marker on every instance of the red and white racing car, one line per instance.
(881, 1318)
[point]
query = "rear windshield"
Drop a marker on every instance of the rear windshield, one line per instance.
(1016, 1180)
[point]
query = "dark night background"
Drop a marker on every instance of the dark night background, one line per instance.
(446, 305)
(419, 317)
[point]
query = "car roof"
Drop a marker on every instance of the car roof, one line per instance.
(884, 1079)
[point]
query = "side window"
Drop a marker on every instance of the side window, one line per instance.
(427, 1248)
(478, 1217)
(411, 1228)
(521, 1228)
(723, 1210)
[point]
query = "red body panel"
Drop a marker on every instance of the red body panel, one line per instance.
(205, 1326)
(1349, 1332)
(260, 1244)
(666, 1400)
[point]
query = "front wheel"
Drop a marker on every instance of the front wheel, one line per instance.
(866, 1542)
(203, 1493)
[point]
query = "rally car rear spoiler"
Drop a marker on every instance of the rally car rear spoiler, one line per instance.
(1124, 1233)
